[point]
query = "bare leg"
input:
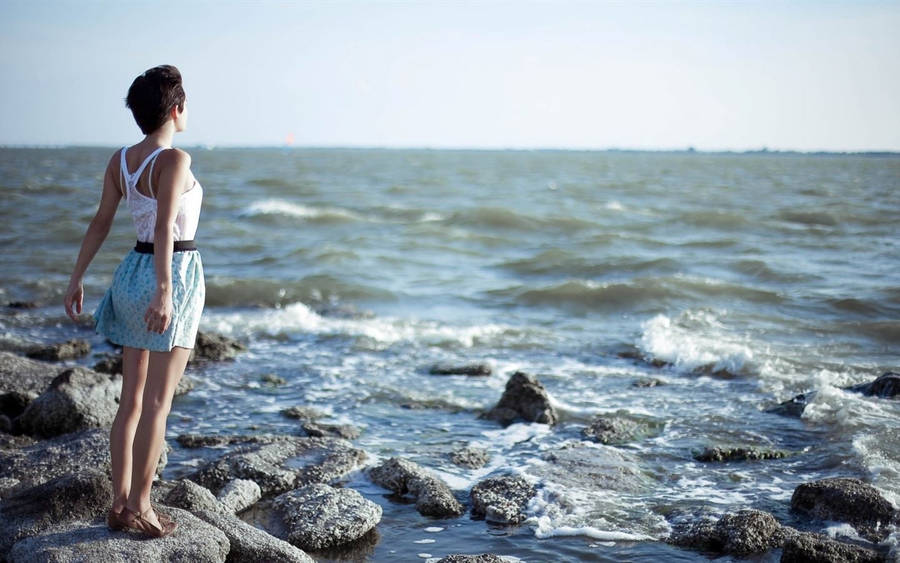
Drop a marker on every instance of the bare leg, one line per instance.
(164, 373)
(121, 435)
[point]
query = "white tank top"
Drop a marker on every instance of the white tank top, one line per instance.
(143, 208)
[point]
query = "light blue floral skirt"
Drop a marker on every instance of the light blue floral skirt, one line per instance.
(120, 315)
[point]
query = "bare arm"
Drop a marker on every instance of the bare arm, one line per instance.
(174, 171)
(93, 239)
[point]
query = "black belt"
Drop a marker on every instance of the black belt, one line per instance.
(178, 246)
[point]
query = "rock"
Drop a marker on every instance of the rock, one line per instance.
(81, 494)
(463, 558)
(647, 382)
(318, 516)
(47, 459)
(26, 377)
(239, 494)
(317, 429)
(5, 424)
(502, 499)
(433, 496)
(13, 404)
(215, 347)
(794, 406)
(109, 363)
(249, 544)
(737, 454)
(76, 399)
(583, 465)
(22, 304)
(472, 457)
(806, 547)
(280, 463)
(193, 541)
(69, 350)
(620, 428)
(462, 369)
(743, 533)
(303, 413)
(272, 379)
(523, 397)
(190, 496)
(886, 386)
(846, 500)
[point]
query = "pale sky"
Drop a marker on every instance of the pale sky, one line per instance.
(642, 75)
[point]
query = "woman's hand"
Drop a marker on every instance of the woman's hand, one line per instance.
(74, 299)
(159, 313)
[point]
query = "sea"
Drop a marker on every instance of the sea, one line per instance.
(736, 280)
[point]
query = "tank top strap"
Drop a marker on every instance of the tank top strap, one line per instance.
(150, 174)
(123, 172)
(131, 179)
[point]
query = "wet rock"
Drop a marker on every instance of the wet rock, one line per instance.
(239, 494)
(193, 540)
(523, 397)
(215, 347)
(583, 465)
(303, 413)
(27, 378)
(13, 441)
(619, 428)
(318, 516)
(470, 456)
(433, 496)
(318, 429)
(502, 499)
(13, 404)
(886, 386)
(279, 463)
(5, 423)
(83, 494)
(76, 399)
(272, 379)
(109, 363)
(22, 304)
(69, 350)
(793, 406)
(647, 382)
(463, 558)
(460, 369)
(46, 459)
(190, 496)
(716, 454)
(846, 500)
(807, 547)
(743, 533)
(249, 544)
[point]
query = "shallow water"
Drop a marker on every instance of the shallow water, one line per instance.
(350, 271)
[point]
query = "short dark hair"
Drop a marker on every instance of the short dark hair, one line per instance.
(152, 96)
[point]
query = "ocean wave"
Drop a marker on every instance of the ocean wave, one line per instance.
(559, 262)
(760, 270)
(695, 342)
(263, 292)
(295, 210)
(817, 218)
(506, 219)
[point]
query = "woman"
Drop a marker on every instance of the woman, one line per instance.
(154, 304)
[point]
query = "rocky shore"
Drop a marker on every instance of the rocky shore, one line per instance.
(55, 487)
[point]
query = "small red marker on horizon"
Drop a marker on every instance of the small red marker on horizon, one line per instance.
(289, 139)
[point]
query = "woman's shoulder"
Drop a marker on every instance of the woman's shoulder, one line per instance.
(174, 157)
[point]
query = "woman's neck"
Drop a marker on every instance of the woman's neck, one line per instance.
(163, 136)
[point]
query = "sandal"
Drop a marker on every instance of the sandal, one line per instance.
(114, 520)
(139, 523)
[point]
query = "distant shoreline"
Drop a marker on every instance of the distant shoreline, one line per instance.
(690, 150)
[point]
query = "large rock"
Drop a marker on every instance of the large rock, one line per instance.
(713, 454)
(194, 541)
(215, 347)
(190, 496)
(460, 369)
(433, 496)
(76, 399)
(620, 428)
(69, 350)
(82, 494)
(502, 499)
(319, 516)
(42, 461)
(239, 494)
(846, 500)
(524, 397)
(464, 558)
(320, 429)
(583, 465)
(806, 547)
(21, 381)
(249, 544)
(279, 463)
(886, 386)
(743, 533)
(472, 457)
(793, 406)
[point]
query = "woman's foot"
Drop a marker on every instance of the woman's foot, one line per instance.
(147, 521)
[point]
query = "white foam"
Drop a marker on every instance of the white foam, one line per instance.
(695, 340)
(433, 529)
(425, 540)
(614, 205)
(287, 208)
